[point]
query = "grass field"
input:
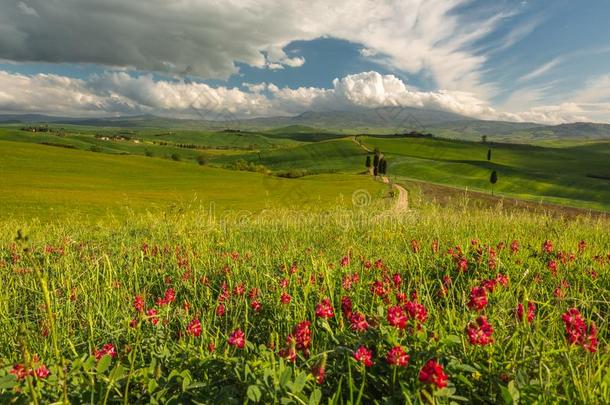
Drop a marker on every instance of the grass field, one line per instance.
(572, 174)
(136, 279)
(143, 309)
(555, 175)
(60, 182)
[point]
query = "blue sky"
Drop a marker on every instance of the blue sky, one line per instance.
(534, 60)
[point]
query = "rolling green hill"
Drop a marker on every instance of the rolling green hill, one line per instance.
(338, 155)
(43, 181)
(569, 175)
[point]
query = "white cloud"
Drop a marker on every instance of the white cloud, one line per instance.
(207, 38)
(27, 10)
(117, 93)
(540, 71)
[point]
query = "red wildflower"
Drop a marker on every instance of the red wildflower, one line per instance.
(256, 306)
(239, 289)
(396, 279)
(414, 245)
(42, 372)
(358, 322)
(479, 333)
(345, 261)
(319, 371)
(514, 246)
(152, 315)
(577, 331)
(462, 264)
(489, 285)
(478, 298)
(502, 279)
(552, 266)
(325, 309)
(581, 246)
(379, 264)
(220, 310)
(168, 297)
(397, 357)
(531, 311)
(346, 306)
(302, 335)
(138, 303)
(433, 373)
(107, 349)
(397, 317)
(285, 298)
(378, 289)
(547, 246)
(346, 283)
(19, 371)
(237, 339)
(253, 293)
(364, 356)
(416, 311)
(290, 352)
(194, 328)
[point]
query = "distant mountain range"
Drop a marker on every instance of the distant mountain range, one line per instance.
(380, 120)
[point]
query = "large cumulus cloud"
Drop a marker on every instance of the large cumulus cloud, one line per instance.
(119, 93)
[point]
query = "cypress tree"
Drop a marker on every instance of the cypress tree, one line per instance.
(493, 179)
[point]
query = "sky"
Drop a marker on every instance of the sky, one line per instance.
(545, 61)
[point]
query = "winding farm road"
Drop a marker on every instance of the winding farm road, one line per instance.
(402, 202)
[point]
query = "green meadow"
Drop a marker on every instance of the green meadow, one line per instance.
(45, 181)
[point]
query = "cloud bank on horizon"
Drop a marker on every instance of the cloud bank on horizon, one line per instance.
(185, 58)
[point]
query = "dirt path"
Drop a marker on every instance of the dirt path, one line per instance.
(355, 139)
(402, 202)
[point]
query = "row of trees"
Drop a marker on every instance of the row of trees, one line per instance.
(379, 164)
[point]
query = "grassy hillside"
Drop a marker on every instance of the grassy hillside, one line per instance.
(46, 181)
(569, 175)
(342, 155)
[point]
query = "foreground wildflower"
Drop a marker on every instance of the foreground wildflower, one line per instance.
(531, 311)
(302, 335)
(358, 322)
(19, 371)
(577, 331)
(285, 298)
(479, 332)
(138, 303)
(397, 357)
(364, 356)
(324, 309)
(237, 339)
(42, 372)
(152, 315)
(107, 349)
(168, 297)
(478, 298)
(416, 311)
(433, 373)
(397, 317)
(194, 328)
(319, 370)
